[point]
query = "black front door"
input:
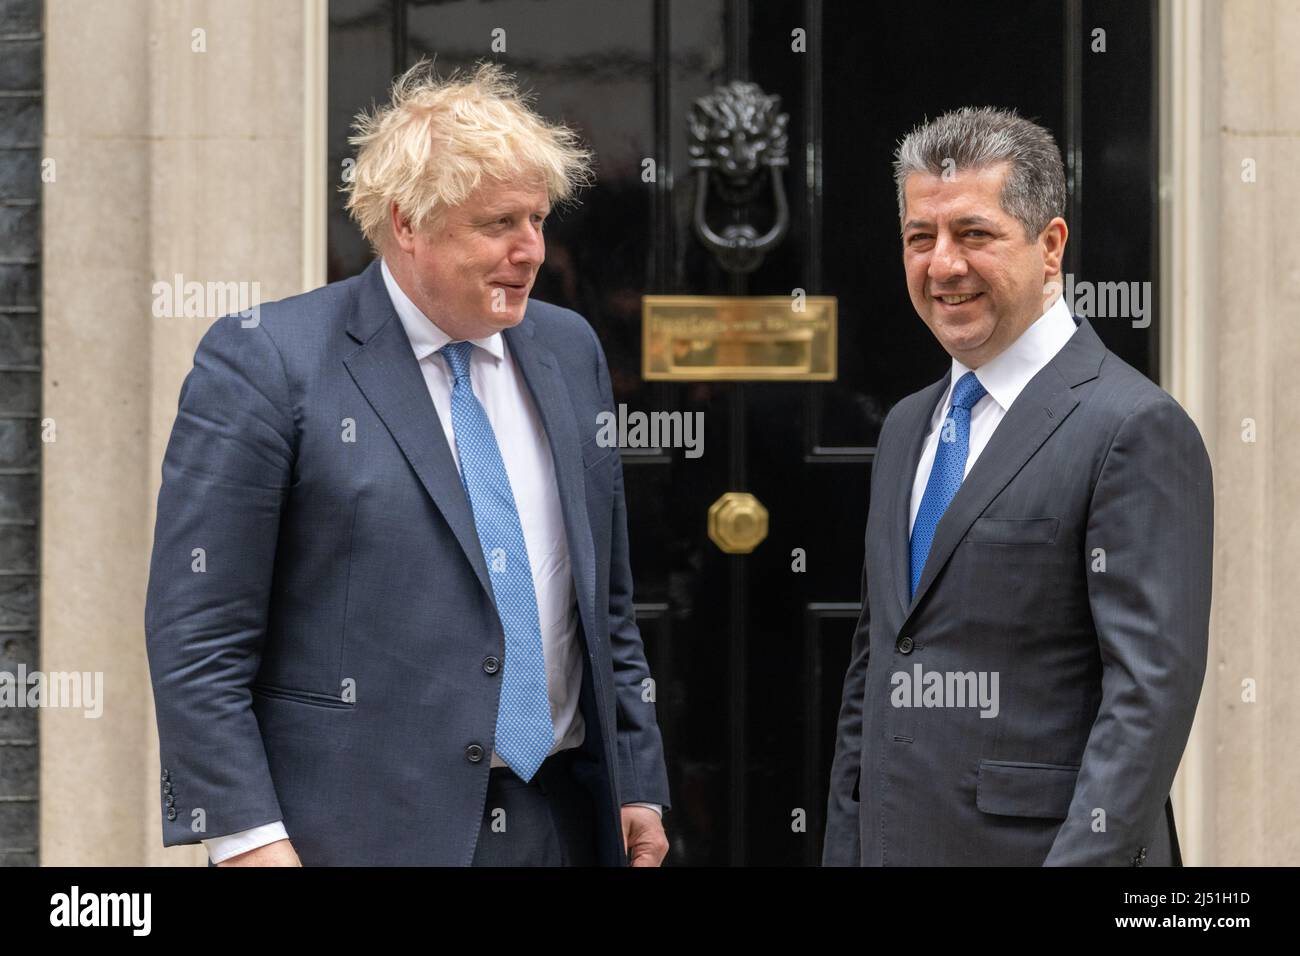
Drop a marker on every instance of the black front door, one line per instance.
(749, 651)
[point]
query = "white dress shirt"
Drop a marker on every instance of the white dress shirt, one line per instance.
(1004, 377)
(526, 452)
(501, 390)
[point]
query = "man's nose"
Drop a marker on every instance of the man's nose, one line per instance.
(947, 260)
(529, 248)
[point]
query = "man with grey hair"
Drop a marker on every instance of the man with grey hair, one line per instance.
(390, 616)
(1041, 528)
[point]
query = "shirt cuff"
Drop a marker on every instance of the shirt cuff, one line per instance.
(657, 808)
(224, 847)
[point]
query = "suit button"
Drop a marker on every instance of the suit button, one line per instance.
(167, 786)
(473, 753)
(170, 800)
(904, 645)
(166, 774)
(491, 665)
(171, 813)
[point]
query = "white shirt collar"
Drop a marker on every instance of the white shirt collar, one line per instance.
(426, 338)
(1005, 375)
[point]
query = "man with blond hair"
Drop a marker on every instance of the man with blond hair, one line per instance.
(389, 617)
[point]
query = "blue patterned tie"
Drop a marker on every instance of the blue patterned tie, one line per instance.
(947, 471)
(524, 733)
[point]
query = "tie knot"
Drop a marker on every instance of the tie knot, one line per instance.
(457, 355)
(968, 391)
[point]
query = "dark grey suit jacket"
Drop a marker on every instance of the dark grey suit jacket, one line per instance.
(1099, 671)
(336, 664)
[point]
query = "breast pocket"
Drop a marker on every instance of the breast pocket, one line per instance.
(1014, 531)
(1014, 573)
(594, 454)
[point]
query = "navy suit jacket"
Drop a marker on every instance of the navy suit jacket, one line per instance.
(319, 621)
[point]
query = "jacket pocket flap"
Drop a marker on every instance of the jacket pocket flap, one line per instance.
(308, 697)
(1025, 789)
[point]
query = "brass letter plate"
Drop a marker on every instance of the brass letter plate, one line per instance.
(695, 338)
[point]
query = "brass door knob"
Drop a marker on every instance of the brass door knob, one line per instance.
(737, 522)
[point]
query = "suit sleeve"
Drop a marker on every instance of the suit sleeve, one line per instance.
(1152, 517)
(842, 842)
(225, 475)
(642, 773)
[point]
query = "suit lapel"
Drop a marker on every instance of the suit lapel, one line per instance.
(914, 427)
(1035, 414)
(541, 371)
(386, 371)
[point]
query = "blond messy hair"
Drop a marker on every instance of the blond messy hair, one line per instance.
(439, 139)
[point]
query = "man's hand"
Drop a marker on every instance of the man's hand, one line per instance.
(279, 853)
(643, 836)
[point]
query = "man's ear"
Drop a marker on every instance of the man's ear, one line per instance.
(403, 232)
(1053, 238)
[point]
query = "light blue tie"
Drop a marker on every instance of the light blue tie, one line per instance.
(524, 733)
(947, 471)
